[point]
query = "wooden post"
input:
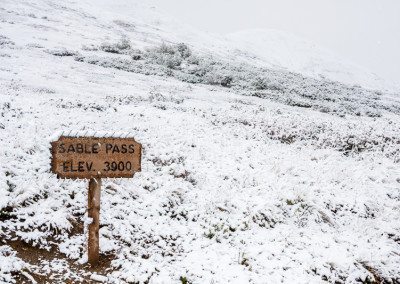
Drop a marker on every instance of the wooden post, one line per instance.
(94, 213)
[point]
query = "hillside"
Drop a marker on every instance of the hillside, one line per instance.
(279, 49)
(251, 172)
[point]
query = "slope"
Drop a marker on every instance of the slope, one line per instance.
(284, 178)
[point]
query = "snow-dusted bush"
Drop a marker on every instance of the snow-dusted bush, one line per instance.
(170, 61)
(165, 49)
(260, 83)
(263, 83)
(120, 47)
(226, 81)
(62, 52)
(212, 78)
(170, 56)
(9, 264)
(183, 50)
(136, 54)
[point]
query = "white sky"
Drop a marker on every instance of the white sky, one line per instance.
(366, 32)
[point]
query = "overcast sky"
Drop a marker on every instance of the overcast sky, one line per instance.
(366, 32)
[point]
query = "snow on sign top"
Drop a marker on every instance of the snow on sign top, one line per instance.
(95, 157)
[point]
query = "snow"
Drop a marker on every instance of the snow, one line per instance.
(98, 278)
(9, 263)
(284, 50)
(234, 187)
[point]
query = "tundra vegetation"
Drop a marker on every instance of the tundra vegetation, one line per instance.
(248, 173)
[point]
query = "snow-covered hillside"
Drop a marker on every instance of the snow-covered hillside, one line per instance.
(250, 173)
(279, 49)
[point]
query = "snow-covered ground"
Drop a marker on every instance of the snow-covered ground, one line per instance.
(250, 173)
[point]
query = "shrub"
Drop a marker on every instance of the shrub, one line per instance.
(62, 52)
(261, 83)
(120, 47)
(136, 54)
(165, 49)
(169, 56)
(183, 50)
(226, 81)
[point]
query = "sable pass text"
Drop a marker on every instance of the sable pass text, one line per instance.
(80, 148)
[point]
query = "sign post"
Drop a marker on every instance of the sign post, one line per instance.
(94, 215)
(95, 158)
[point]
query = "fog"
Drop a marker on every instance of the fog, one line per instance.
(365, 32)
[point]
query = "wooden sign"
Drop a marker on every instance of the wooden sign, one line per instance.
(94, 158)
